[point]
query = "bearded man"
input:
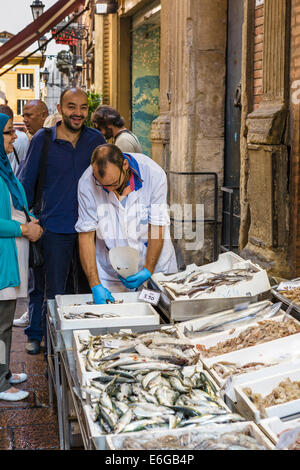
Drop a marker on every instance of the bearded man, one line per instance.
(69, 155)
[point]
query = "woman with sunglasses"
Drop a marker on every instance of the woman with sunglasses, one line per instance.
(15, 234)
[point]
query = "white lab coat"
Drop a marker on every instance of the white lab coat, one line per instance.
(116, 225)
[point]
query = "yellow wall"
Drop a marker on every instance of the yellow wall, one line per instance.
(9, 84)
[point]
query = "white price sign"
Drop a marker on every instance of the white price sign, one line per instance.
(150, 296)
(288, 285)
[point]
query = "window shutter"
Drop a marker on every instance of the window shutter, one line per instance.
(19, 80)
(18, 106)
(31, 80)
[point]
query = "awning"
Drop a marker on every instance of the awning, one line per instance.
(17, 44)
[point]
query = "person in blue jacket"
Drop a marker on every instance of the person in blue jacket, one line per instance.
(15, 235)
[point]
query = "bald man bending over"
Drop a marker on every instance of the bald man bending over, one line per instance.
(71, 147)
(34, 116)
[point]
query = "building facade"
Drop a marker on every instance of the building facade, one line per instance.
(22, 83)
(212, 89)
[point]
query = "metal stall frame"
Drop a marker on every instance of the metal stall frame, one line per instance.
(213, 220)
(231, 215)
(53, 361)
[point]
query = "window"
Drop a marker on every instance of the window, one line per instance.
(20, 106)
(25, 81)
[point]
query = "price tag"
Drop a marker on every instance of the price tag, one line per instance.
(150, 296)
(113, 344)
(288, 285)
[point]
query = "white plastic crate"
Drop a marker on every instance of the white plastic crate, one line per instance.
(139, 314)
(100, 439)
(213, 339)
(205, 320)
(264, 386)
(285, 350)
(83, 299)
(115, 442)
(227, 261)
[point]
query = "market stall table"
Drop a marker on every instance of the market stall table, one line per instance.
(63, 378)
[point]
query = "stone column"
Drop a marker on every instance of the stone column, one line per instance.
(268, 157)
(247, 107)
(195, 81)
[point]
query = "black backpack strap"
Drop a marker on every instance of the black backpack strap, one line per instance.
(37, 204)
(16, 156)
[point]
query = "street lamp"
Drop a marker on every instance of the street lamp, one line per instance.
(45, 75)
(79, 64)
(37, 8)
(105, 7)
(43, 44)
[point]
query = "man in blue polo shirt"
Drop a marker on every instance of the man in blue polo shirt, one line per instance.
(69, 155)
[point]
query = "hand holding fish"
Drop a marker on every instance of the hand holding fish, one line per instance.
(101, 295)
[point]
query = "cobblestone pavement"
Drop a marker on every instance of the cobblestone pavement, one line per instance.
(30, 423)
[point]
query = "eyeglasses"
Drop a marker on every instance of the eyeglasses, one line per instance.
(108, 185)
(9, 132)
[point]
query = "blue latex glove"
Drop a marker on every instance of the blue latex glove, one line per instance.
(135, 281)
(101, 295)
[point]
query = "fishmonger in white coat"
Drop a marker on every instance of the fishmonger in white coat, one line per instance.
(123, 202)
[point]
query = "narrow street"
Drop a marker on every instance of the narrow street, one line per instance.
(29, 424)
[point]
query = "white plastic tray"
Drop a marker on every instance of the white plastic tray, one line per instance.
(140, 314)
(100, 439)
(204, 320)
(82, 373)
(227, 261)
(214, 339)
(82, 299)
(285, 350)
(115, 442)
(265, 386)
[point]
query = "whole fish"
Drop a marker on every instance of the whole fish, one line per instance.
(121, 407)
(147, 379)
(166, 396)
(142, 424)
(162, 354)
(124, 421)
(117, 353)
(109, 416)
(105, 400)
(222, 323)
(143, 410)
(177, 385)
(150, 365)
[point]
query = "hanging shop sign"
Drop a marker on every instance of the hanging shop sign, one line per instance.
(67, 37)
(70, 36)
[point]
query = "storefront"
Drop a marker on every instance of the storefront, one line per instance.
(145, 72)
